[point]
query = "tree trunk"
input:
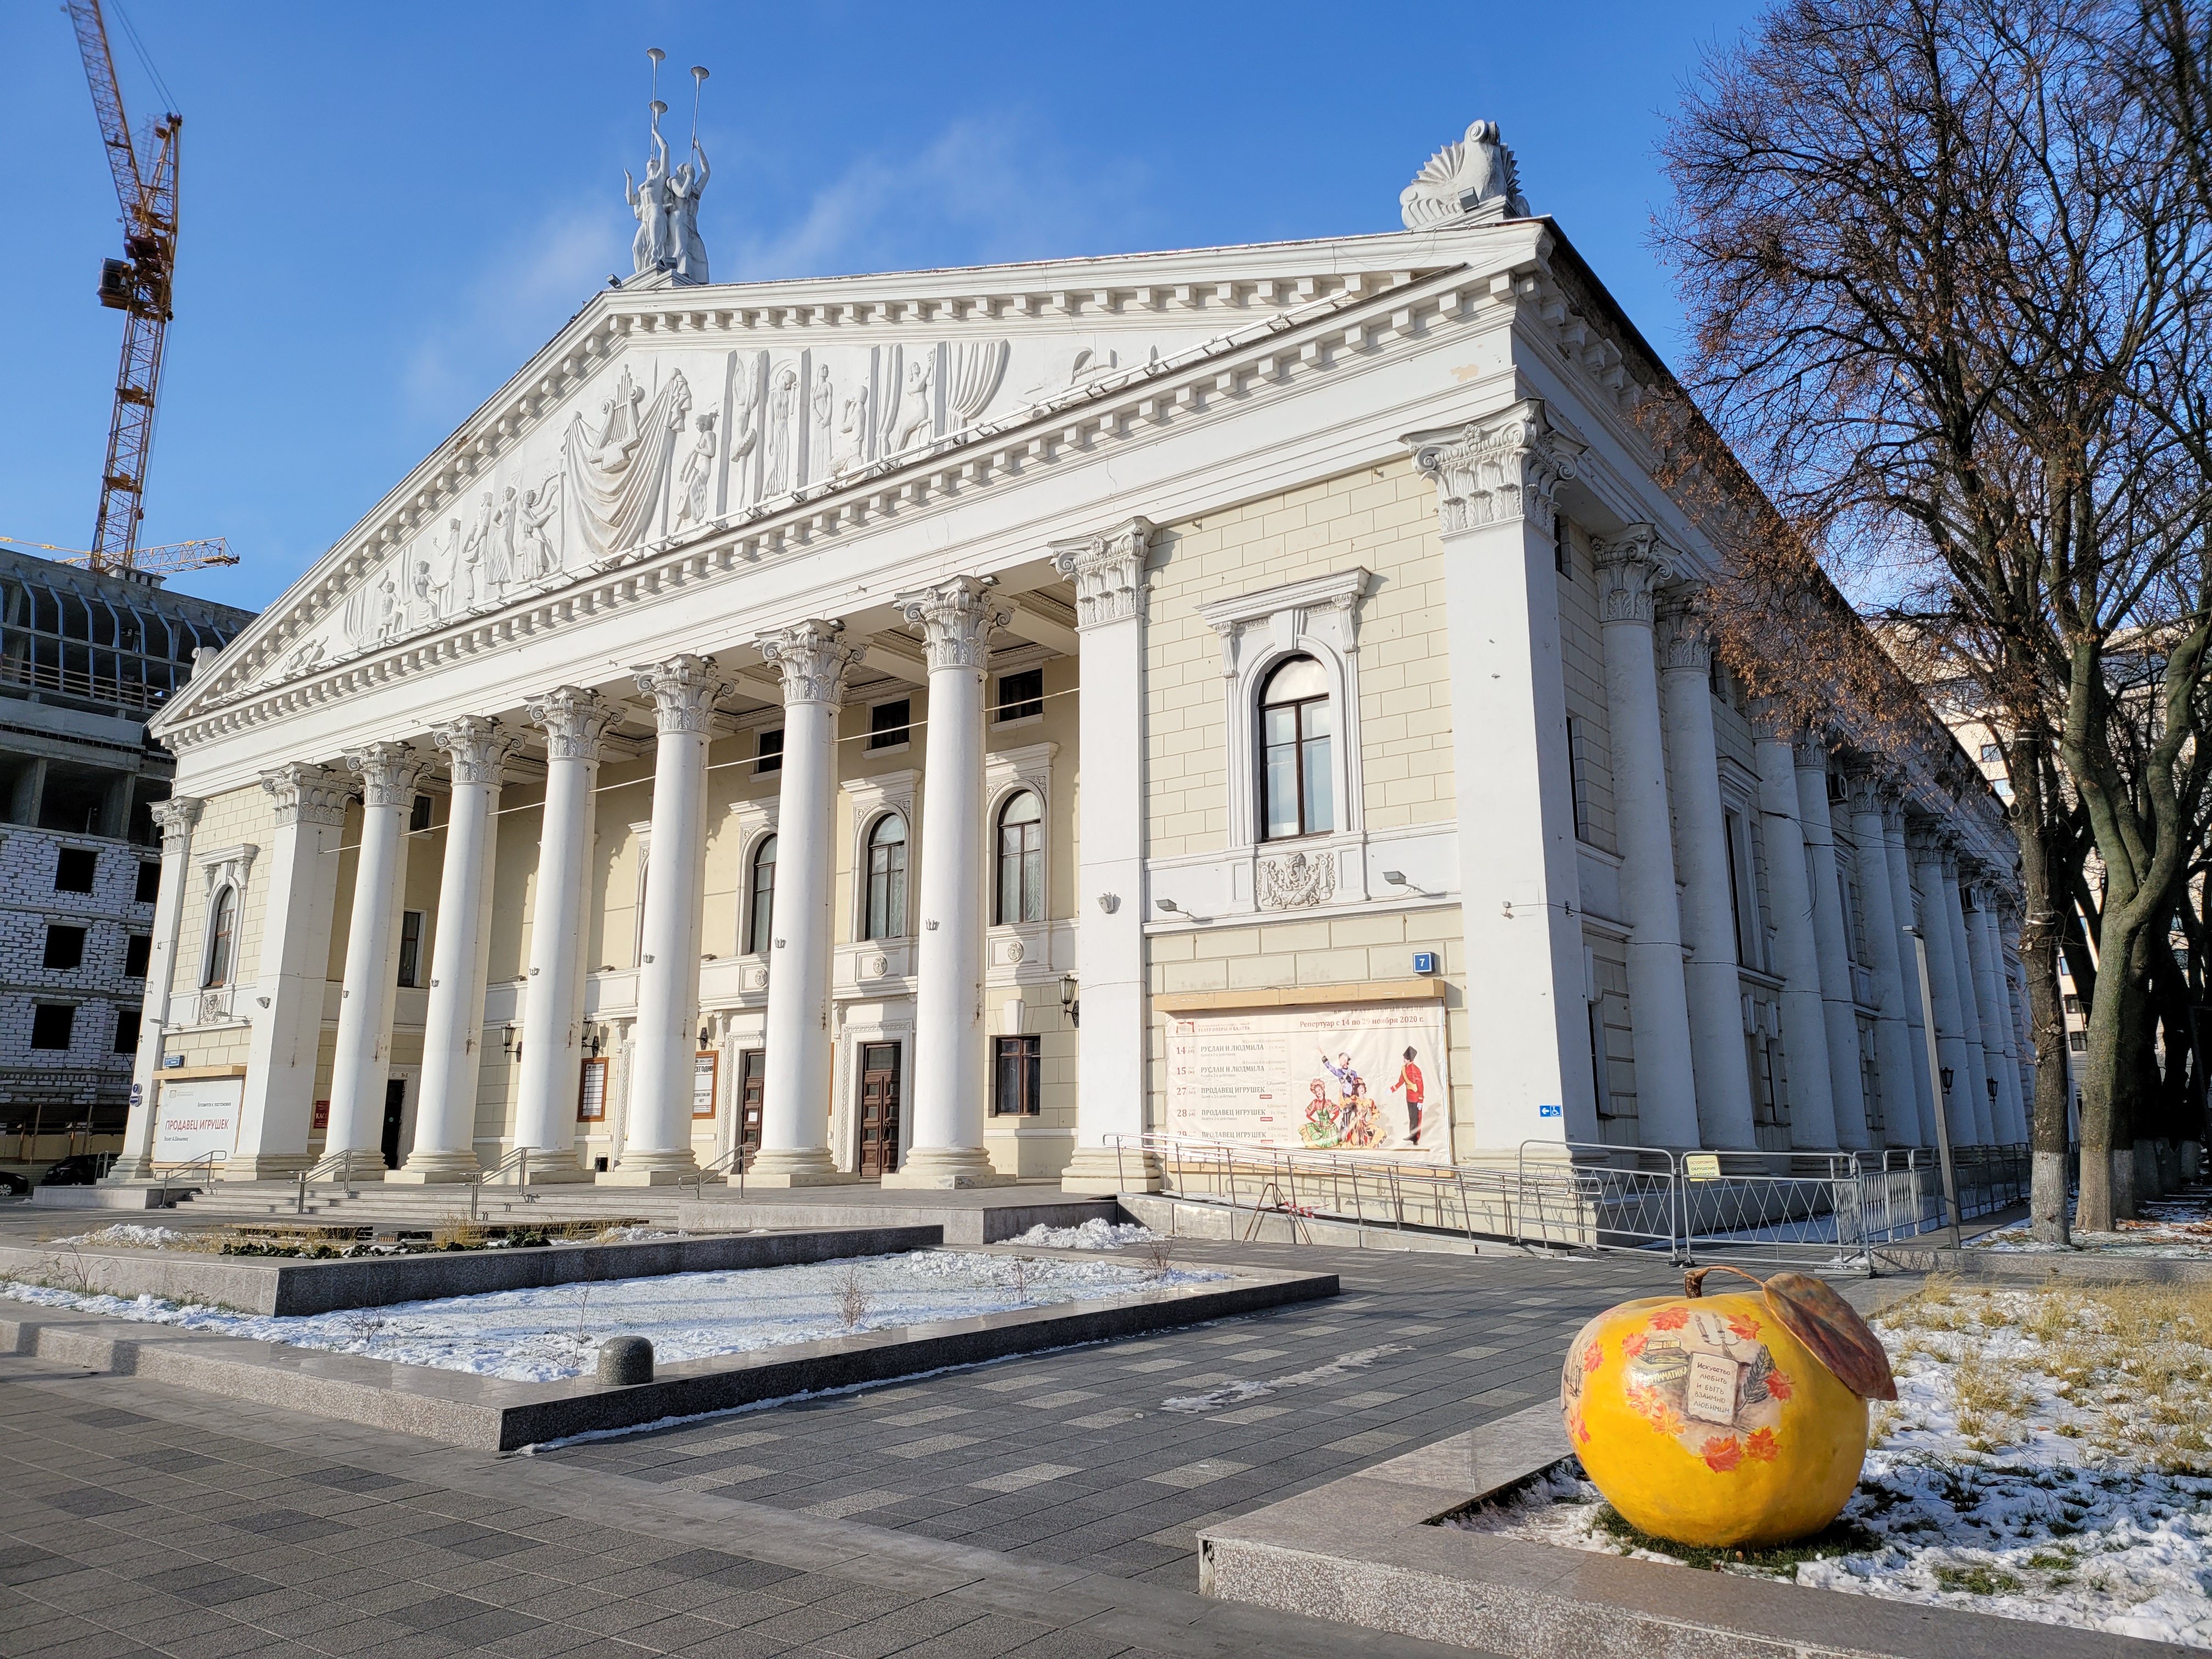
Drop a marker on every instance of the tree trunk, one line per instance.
(2039, 935)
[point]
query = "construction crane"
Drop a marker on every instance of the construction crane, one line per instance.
(162, 560)
(138, 286)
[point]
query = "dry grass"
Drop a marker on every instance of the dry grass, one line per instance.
(2132, 1365)
(853, 1299)
(457, 1231)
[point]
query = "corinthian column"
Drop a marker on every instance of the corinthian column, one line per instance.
(956, 620)
(1892, 1036)
(1927, 857)
(814, 661)
(1832, 937)
(175, 817)
(452, 1024)
(657, 1151)
(363, 1063)
(1108, 574)
(574, 720)
(1796, 950)
(1527, 1009)
(1714, 987)
(1903, 914)
(1973, 1082)
(1628, 567)
(293, 970)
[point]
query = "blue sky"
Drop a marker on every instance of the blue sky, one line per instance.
(387, 208)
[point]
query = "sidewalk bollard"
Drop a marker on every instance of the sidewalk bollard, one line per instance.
(625, 1359)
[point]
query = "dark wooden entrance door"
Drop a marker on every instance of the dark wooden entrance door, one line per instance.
(395, 1114)
(752, 1073)
(879, 1108)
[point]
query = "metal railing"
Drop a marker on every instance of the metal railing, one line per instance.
(1828, 1210)
(516, 1162)
(205, 1164)
(732, 1159)
(342, 1162)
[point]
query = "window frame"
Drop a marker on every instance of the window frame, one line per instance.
(882, 736)
(885, 925)
(409, 951)
(1030, 705)
(1300, 746)
(221, 936)
(767, 751)
(1028, 1053)
(760, 920)
(1028, 866)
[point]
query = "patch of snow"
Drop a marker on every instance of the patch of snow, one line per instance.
(1236, 1394)
(131, 1234)
(2175, 1228)
(1096, 1234)
(551, 1333)
(2031, 1468)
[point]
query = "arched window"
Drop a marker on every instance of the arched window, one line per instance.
(1021, 858)
(760, 910)
(223, 921)
(1297, 794)
(886, 916)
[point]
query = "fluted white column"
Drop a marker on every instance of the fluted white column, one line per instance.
(814, 661)
(1796, 950)
(460, 961)
(362, 1061)
(1892, 1036)
(1629, 566)
(1926, 851)
(1973, 1086)
(956, 620)
(1714, 985)
(1108, 574)
(658, 1150)
(291, 974)
(574, 720)
(1903, 914)
(1831, 936)
(175, 817)
(1994, 1007)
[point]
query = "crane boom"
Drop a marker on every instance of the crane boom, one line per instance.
(138, 285)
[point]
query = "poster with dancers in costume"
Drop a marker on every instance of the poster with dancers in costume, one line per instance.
(1363, 1079)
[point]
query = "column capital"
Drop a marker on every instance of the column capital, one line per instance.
(1923, 838)
(1632, 567)
(1809, 744)
(387, 773)
(683, 689)
(1863, 792)
(307, 794)
(1497, 469)
(574, 720)
(479, 747)
(1107, 571)
(176, 817)
(813, 659)
(1772, 721)
(1685, 647)
(956, 620)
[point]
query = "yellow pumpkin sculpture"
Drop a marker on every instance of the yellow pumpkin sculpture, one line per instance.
(1726, 1421)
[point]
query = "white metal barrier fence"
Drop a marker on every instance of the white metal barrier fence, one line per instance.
(1824, 1210)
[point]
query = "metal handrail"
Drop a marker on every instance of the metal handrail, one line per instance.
(168, 1177)
(517, 1159)
(342, 1161)
(734, 1158)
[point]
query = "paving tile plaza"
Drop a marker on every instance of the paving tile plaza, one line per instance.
(1044, 1506)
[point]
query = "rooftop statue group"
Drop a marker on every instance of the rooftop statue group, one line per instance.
(666, 203)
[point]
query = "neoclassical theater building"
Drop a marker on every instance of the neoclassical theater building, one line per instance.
(935, 727)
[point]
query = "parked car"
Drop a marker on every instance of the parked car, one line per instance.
(79, 1169)
(13, 1185)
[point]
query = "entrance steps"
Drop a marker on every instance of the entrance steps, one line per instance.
(375, 1203)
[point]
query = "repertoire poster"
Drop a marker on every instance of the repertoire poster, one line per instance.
(1363, 1079)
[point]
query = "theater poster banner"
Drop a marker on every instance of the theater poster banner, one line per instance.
(195, 1116)
(1364, 1079)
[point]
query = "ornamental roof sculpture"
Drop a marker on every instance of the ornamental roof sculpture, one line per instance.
(1475, 179)
(666, 201)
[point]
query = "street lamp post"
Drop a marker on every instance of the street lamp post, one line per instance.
(1941, 1078)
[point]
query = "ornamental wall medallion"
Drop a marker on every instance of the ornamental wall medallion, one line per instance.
(1297, 882)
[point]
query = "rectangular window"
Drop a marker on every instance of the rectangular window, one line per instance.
(1015, 1083)
(52, 1025)
(410, 947)
(64, 948)
(418, 815)
(2073, 1004)
(126, 1030)
(1563, 557)
(1732, 829)
(74, 868)
(591, 1093)
(1991, 754)
(2076, 1041)
(137, 953)
(706, 1075)
(149, 880)
(1021, 695)
(768, 752)
(888, 723)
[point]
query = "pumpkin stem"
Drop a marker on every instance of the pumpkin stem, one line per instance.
(1693, 1281)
